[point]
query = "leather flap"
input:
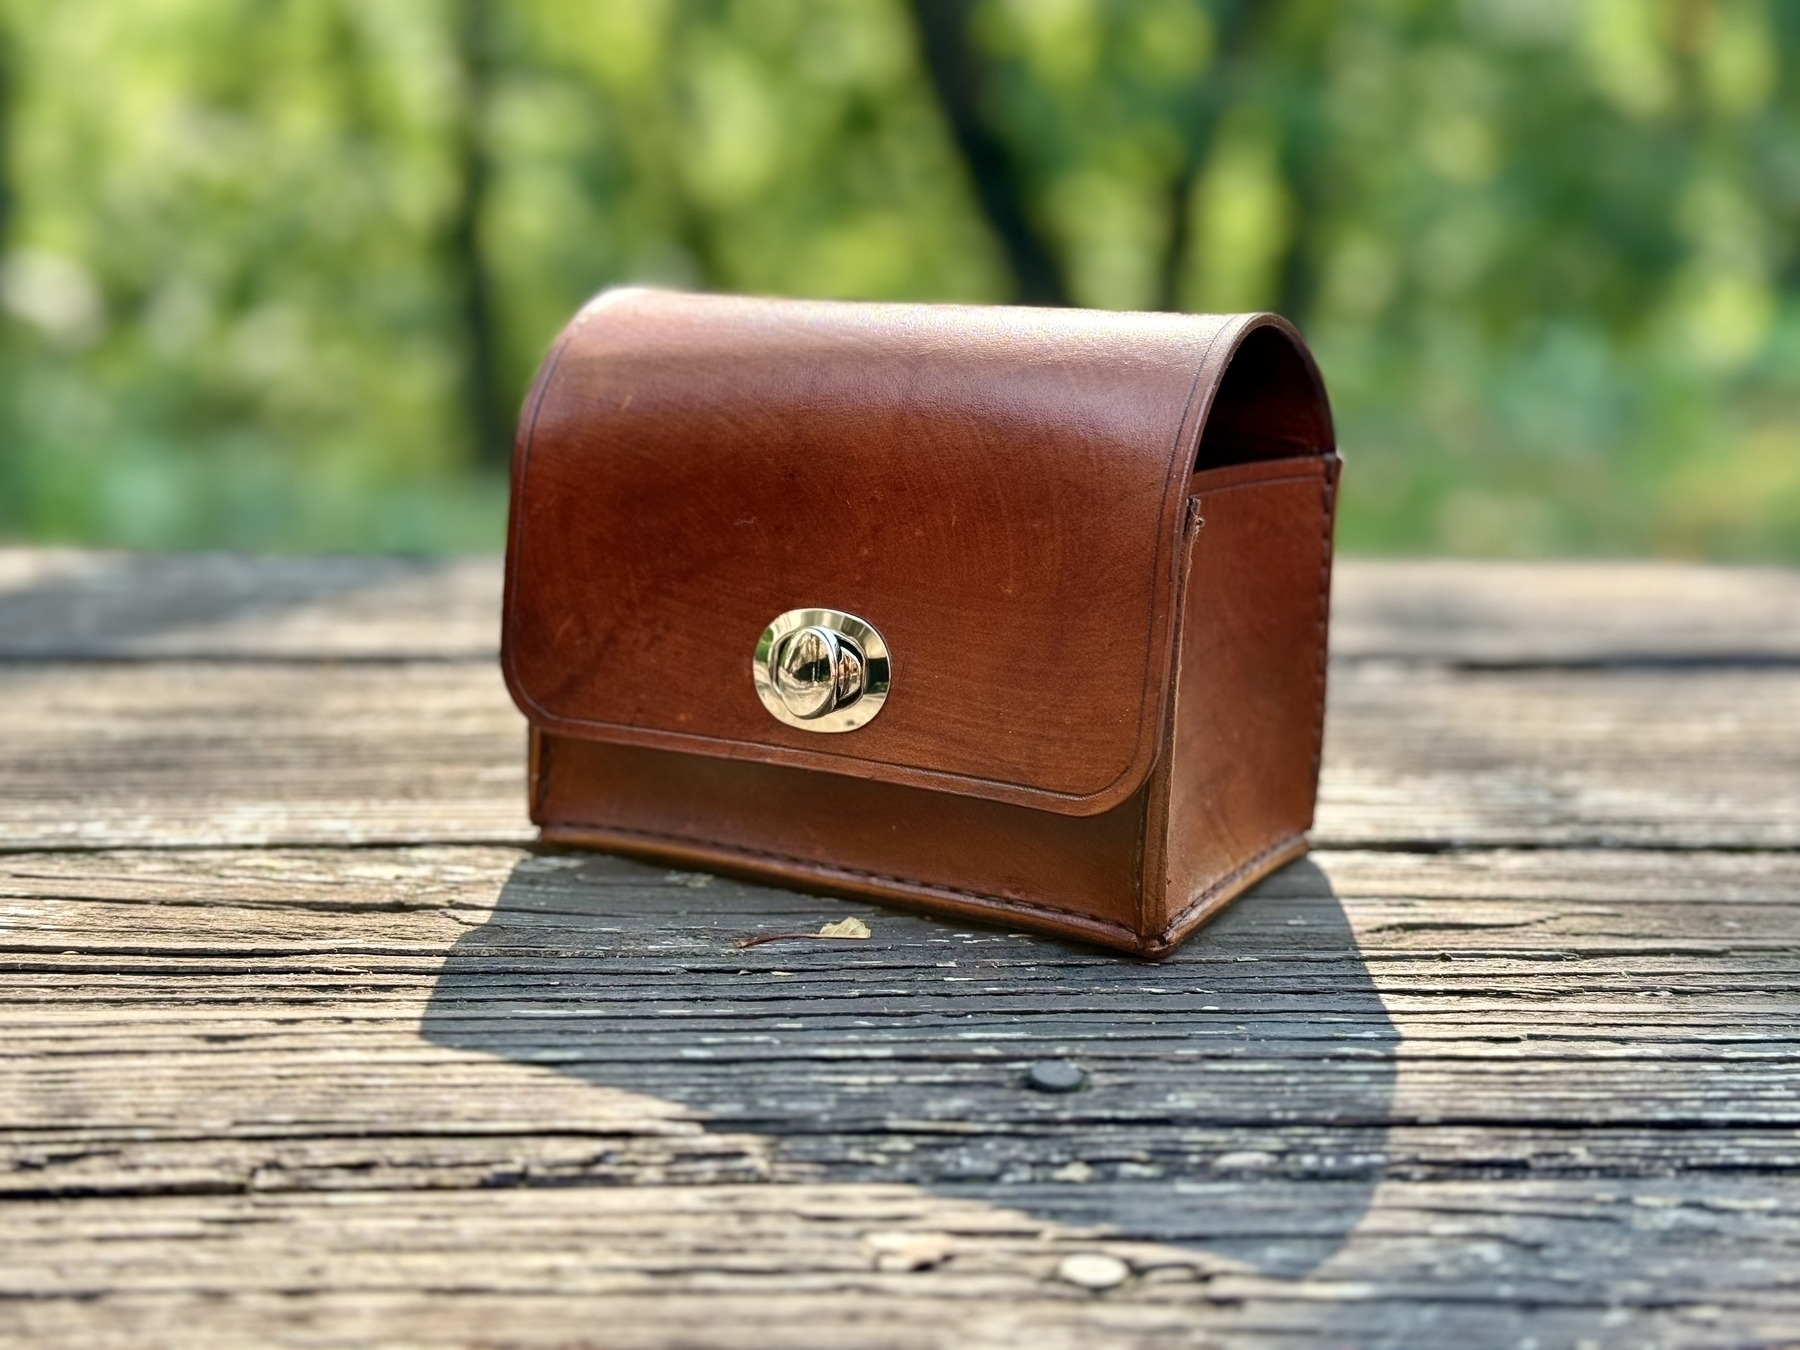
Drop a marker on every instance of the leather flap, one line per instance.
(1000, 492)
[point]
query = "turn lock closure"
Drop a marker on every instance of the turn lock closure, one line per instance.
(821, 670)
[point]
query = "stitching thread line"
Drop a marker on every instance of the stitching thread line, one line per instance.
(818, 867)
(1213, 891)
(1327, 486)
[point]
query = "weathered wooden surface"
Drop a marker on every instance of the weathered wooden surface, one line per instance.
(1607, 614)
(61, 604)
(306, 1045)
(267, 753)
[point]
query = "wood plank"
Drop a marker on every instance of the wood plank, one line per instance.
(1640, 757)
(438, 1093)
(69, 604)
(196, 754)
(461, 1091)
(1572, 613)
(178, 754)
(58, 604)
(1670, 1263)
(228, 1020)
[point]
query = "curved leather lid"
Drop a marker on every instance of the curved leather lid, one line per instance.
(1000, 492)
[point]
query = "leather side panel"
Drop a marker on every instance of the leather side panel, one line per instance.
(1073, 876)
(1250, 686)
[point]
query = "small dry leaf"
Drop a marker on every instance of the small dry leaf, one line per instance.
(843, 928)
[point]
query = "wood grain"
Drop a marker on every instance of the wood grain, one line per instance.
(183, 754)
(248, 753)
(1493, 1083)
(59, 604)
(306, 1045)
(68, 604)
(1666, 1263)
(1567, 613)
(1650, 758)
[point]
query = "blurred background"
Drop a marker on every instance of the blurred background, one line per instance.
(274, 274)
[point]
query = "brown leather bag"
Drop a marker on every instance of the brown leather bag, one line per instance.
(1013, 614)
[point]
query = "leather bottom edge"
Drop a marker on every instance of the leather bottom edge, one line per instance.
(828, 880)
(1215, 897)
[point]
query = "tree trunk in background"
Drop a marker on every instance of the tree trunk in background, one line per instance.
(1298, 59)
(488, 412)
(957, 77)
(1234, 21)
(1302, 168)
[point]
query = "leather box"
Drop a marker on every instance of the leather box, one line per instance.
(1015, 614)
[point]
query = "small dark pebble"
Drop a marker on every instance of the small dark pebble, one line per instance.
(1055, 1075)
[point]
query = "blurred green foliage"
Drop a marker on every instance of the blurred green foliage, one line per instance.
(276, 272)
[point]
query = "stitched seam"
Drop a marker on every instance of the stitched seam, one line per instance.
(1211, 892)
(1318, 751)
(540, 781)
(1249, 483)
(1250, 865)
(816, 866)
(803, 757)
